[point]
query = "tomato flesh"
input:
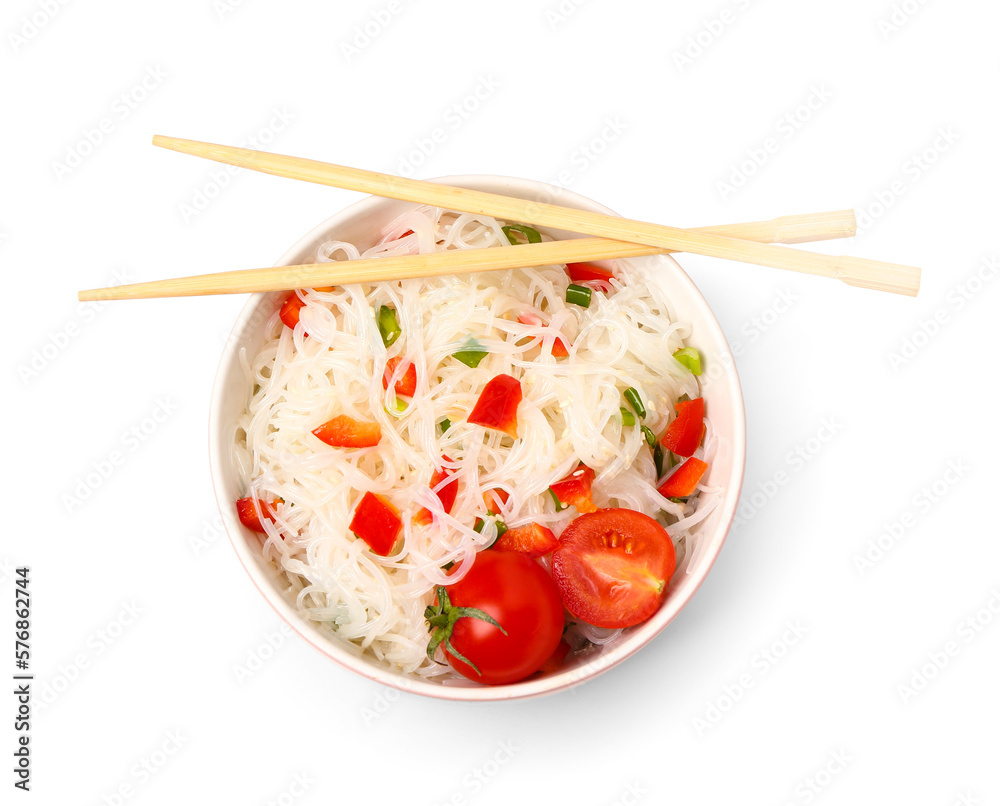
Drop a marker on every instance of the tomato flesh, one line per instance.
(377, 522)
(576, 490)
(612, 567)
(446, 495)
(407, 385)
(497, 405)
(524, 600)
(683, 481)
(248, 514)
(533, 540)
(346, 432)
(685, 432)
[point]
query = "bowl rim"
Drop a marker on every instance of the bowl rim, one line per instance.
(532, 687)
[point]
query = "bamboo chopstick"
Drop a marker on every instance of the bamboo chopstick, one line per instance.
(854, 271)
(787, 229)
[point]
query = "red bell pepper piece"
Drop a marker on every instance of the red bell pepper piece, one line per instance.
(682, 482)
(497, 405)
(407, 385)
(346, 432)
(685, 432)
(446, 494)
(534, 540)
(589, 273)
(559, 348)
(491, 498)
(377, 522)
(290, 309)
(248, 514)
(576, 490)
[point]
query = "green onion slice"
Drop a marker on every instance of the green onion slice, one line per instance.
(445, 425)
(388, 325)
(632, 396)
(690, 358)
(530, 233)
(658, 456)
(578, 295)
(647, 432)
(628, 418)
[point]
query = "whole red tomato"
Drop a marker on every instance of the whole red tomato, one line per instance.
(500, 622)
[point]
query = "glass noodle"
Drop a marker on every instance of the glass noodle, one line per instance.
(571, 413)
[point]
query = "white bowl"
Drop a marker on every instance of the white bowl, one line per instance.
(361, 224)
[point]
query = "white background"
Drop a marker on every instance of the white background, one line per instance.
(595, 96)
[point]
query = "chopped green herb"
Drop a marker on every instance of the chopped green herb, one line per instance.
(658, 456)
(632, 396)
(578, 295)
(647, 432)
(388, 325)
(530, 233)
(690, 358)
(447, 566)
(628, 418)
(677, 500)
(445, 425)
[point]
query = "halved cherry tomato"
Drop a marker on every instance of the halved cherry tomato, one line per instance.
(533, 540)
(346, 432)
(576, 490)
(683, 481)
(559, 348)
(377, 522)
(685, 432)
(290, 309)
(407, 385)
(497, 405)
(446, 495)
(612, 567)
(516, 593)
(248, 513)
(589, 273)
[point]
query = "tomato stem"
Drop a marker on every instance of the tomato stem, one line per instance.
(441, 623)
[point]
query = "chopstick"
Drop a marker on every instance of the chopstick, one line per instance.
(851, 270)
(787, 229)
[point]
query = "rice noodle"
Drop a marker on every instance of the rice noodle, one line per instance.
(569, 414)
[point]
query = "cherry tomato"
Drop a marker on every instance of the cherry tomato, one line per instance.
(612, 567)
(517, 594)
(497, 405)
